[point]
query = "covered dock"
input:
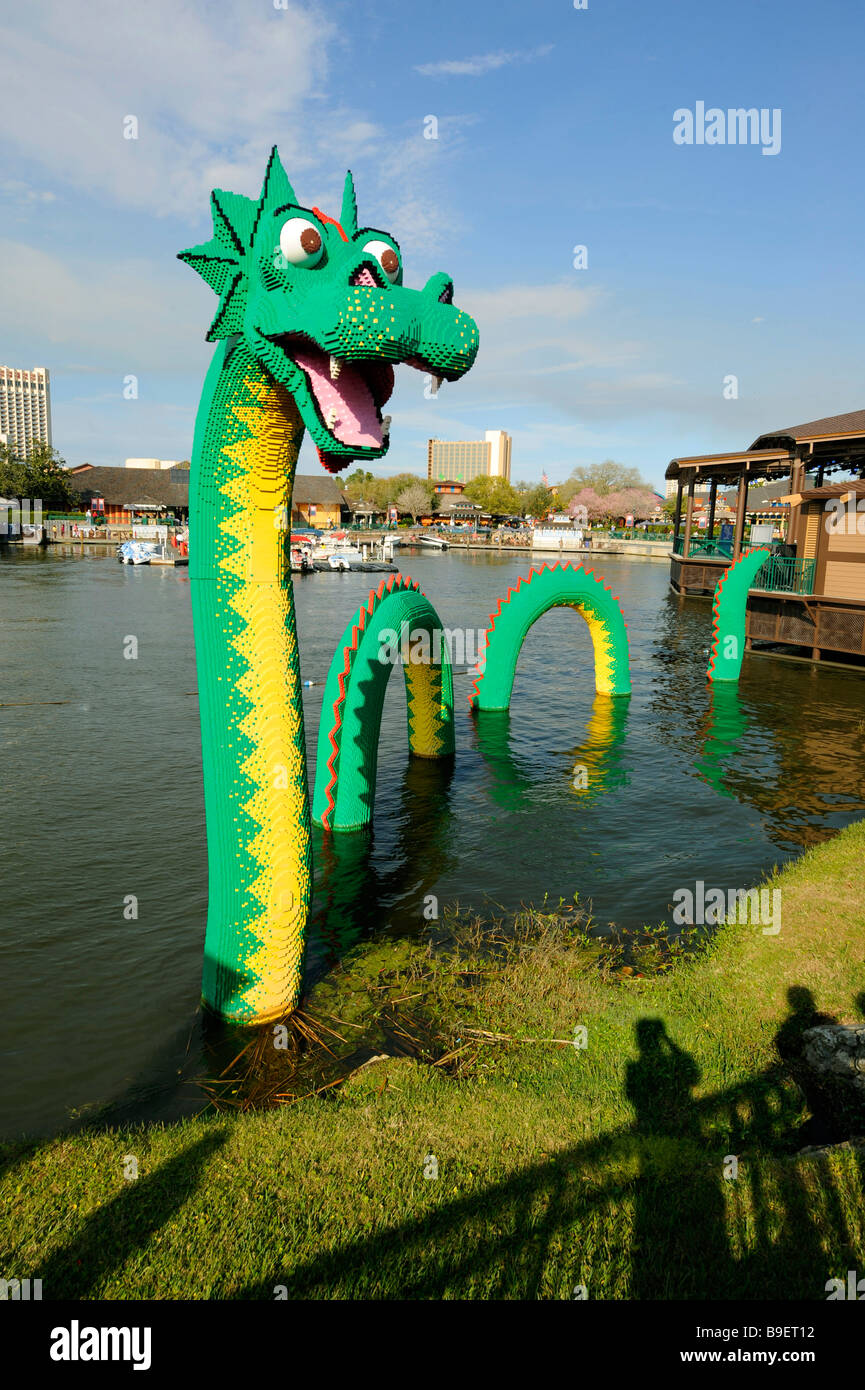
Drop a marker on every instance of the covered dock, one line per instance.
(811, 592)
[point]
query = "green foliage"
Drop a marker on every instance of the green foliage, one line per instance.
(361, 485)
(43, 475)
(537, 501)
(494, 495)
(358, 484)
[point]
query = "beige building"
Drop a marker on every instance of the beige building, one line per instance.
(461, 460)
(700, 489)
(25, 408)
(161, 464)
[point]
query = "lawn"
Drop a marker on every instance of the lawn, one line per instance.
(487, 1156)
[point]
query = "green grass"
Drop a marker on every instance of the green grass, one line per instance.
(557, 1166)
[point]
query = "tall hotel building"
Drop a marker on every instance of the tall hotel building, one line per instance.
(25, 408)
(463, 459)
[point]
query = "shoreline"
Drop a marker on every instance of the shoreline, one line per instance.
(536, 1139)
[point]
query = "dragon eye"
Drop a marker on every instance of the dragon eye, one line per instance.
(386, 257)
(300, 242)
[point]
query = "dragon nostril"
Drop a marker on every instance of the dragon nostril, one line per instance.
(364, 276)
(447, 294)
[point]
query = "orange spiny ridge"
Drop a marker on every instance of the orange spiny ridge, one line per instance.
(349, 652)
(375, 597)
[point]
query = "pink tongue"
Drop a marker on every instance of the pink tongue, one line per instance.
(356, 421)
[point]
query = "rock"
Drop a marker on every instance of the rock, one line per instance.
(856, 1146)
(835, 1052)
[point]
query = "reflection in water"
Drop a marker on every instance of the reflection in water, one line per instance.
(350, 886)
(602, 751)
(788, 739)
(718, 734)
(595, 766)
(506, 782)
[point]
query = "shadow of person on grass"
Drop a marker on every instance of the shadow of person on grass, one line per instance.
(678, 1206)
(648, 1205)
(656, 1204)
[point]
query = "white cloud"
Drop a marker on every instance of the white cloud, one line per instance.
(23, 194)
(485, 62)
(127, 315)
(212, 87)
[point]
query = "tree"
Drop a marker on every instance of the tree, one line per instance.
(12, 474)
(602, 478)
(494, 495)
(42, 475)
(387, 491)
(414, 499)
(636, 502)
(536, 501)
(586, 505)
(358, 483)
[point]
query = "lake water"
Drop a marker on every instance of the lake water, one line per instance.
(103, 799)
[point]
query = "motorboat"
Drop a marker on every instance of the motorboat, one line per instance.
(301, 560)
(135, 552)
(338, 544)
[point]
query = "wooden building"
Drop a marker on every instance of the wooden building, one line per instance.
(810, 595)
(318, 500)
(155, 493)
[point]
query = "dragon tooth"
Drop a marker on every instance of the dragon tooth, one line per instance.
(435, 383)
(335, 368)
(332, 417)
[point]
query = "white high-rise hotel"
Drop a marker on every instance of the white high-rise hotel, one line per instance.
(25, 408)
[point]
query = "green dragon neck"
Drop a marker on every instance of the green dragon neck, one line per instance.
(255, 785)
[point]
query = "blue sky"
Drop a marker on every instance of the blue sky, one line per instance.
(555, 129)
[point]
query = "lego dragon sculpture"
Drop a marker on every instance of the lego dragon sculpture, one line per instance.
(313, 316)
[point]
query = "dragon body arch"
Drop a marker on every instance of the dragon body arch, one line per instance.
(375, 639)
(729, 616)
(552, 586)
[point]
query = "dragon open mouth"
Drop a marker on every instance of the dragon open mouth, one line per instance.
(348, 395)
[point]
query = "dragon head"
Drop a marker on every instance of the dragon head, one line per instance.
(321, 304)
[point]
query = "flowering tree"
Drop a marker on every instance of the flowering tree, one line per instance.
(637, 502)
(586, 505)
(631, 501)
